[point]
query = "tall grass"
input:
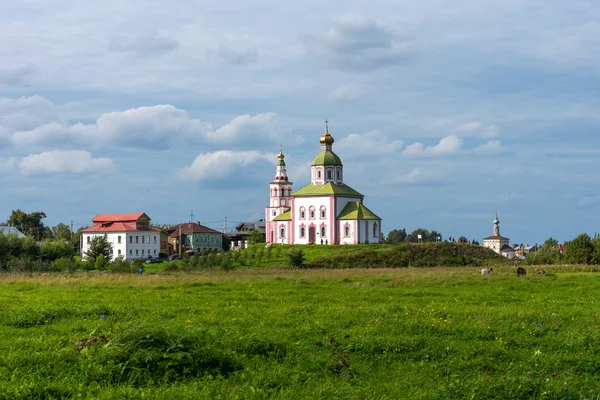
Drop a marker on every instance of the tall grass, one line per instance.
(281, 333)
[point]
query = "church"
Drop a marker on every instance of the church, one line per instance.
(326, 211)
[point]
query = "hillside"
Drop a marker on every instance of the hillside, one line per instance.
(411, 255)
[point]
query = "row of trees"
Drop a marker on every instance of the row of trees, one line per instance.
(400, 236)
(581, 250)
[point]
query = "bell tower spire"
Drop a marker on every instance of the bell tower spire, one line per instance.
(280, 199)
(496, 225)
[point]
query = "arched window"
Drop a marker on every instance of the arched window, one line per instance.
(374, 229)
(347, 230)
(339, 175)
(311, 212)
(319, 174)
(282, 233)
(323, 232)
(302, 213)
(282, 193)
(329, 174)
(323, 212)
(302, 231)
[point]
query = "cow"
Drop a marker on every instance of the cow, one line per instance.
(540, 271)
(521, 271)
(487, 271)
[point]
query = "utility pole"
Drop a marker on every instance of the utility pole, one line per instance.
(71, 229)
(191, 215)
(224, 230)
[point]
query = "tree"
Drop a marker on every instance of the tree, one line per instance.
(256, 236)
(579, 250)
(100, 246)
(426, 236)
(61, 232)
(225, 243)
(550, 242)
(396, 236)
(30, 224)
(296, 258)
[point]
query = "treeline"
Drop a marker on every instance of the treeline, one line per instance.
(396, 236)
(581, 250)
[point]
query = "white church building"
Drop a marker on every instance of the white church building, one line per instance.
(326, 211)
(499, 244)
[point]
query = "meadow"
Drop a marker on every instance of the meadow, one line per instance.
(418, 333)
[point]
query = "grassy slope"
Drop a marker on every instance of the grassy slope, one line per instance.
(413, 333)
(370, 255)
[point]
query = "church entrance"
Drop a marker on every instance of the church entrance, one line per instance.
(311, 234)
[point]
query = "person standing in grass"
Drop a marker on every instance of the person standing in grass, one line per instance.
(141, 270)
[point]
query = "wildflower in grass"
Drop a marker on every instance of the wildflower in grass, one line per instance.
(578, 373)
(554, 374)
(427, 357)
(528, 372)
(102, 316)
(565, 389)
(504, 377)
(189, 321)
(565, 373)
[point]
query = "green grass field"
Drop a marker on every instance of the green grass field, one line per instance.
(410, 333)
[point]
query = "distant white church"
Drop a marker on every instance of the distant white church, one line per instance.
(499, 244)
(326, 211)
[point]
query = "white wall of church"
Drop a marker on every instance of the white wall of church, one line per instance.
(316, 204)
(347, 236)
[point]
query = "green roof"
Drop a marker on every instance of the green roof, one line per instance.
(327, 189)
(327, 157)
(357, 211)
(284, 216)
(280, 163)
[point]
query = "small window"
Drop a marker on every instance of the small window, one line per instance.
(143, 239)
(118, 239)
(322, 231)
(346, 231)
(119, 252)
(142, 251)
(282, 233)
(130, 239)
(154, 251)
(339, 175)
(302, 231)
(318, 174)
(89, 240)
(137, 251)
(154, 239)
(374, 229)
(130, 252)
(137, 239)
(323, 213)
(329, 175)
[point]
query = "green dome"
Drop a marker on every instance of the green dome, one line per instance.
(327, 157)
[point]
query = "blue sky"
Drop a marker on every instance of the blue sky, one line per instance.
(442, 111)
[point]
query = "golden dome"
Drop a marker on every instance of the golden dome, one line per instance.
(326, 138)
(281, 155)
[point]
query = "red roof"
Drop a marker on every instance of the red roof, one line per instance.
(117, 217)
(113, 227)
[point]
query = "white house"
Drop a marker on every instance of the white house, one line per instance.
(131, 235)
(326, 211)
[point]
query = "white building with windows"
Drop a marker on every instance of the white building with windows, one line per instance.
(499, 244)
(131, 235)
(326, 211)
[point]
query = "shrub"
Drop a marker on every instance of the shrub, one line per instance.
(120, 265)
(296, 258)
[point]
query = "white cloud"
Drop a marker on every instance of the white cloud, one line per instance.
(234, 55)
(492, 146)
(367, 144)
(152, 127)
(58, 161)
(344, 93)
(417, 176)
(358, 43)
(26, 113)
(16, 76)
(447, 146)
(221, 164)
(154, 43)
(477, 129)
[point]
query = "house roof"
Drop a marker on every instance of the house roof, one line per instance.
(11, 230)
(327, 157)
(507, 248)
(495, 237)
(284, 216)
(355, 210)
(118, 217)
(115, 227)
(191, 227)
(326, 189)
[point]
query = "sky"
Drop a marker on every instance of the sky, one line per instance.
(442, 111)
